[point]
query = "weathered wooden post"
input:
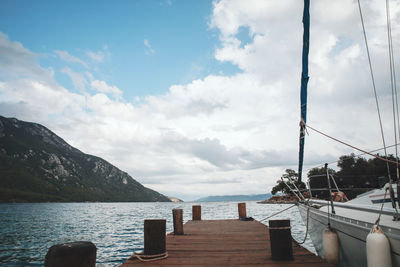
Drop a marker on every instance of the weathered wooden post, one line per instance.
(154, 237)
(196, 213)
(281, 240)
(177, 215)
(79, 254)
(242, 210)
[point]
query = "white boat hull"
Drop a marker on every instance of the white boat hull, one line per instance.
(352, 234)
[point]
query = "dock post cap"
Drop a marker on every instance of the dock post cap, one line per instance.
(177, 215)
(196, 213)
(154, 236)
(280, 239)
(80, 254)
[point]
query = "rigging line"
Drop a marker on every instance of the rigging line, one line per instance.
(394, 115)
(374, 87)
(277, 213)
(356, 148)
(393, 80)
(380, 212)
(389, 36)
(361, 154)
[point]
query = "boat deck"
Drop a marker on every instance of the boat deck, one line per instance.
(226, 243)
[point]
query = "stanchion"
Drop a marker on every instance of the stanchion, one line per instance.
(196, 213)
(177, 215)
(79, 254)
(281, 240)
(242, 210)
(154, 237)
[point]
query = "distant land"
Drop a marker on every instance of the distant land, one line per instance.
(174, 199)
(36, 165)
(235, 198)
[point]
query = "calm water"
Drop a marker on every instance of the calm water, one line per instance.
(27, 231)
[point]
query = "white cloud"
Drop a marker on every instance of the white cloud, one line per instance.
(16, 61)
(77, 78)
(64, 55)
(100, 55)
(223, 134)
(103, 87)
(89, 76)
(149, 49)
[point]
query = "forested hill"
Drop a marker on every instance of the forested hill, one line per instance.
(38, 166)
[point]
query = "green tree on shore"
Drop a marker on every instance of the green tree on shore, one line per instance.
(289, 175)
(356, 174)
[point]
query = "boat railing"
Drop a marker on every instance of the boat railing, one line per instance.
(360, 207)
(321, 187)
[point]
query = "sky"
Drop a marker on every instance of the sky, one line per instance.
(196, 98)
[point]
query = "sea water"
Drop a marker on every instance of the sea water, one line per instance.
(28, 230)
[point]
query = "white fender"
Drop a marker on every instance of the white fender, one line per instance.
(331, 246)
(378, 248)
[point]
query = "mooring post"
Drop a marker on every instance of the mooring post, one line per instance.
(242, 210)
(281, 240)
(196, 213)
(80, 254)
(177, 215)
(154, 237)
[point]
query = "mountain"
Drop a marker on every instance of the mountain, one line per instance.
(235, 198)
(38, 166)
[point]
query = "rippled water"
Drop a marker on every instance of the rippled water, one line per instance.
(27, 231)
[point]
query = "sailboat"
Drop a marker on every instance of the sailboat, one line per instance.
(344, 232)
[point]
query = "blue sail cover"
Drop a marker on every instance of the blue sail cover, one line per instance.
(304, 82)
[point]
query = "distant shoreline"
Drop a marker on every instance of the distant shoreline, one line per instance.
(279, 200)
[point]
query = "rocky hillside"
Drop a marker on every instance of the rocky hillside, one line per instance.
(36, 165)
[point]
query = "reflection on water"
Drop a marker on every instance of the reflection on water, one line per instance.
(27, 231)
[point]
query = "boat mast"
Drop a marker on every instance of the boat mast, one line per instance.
(304, 82)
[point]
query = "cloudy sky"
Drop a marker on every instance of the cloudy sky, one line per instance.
(196, 98)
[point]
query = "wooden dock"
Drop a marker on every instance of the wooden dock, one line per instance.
(226, 243)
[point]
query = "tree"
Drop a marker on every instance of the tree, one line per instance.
(317, 177)
(320, 171)
(359, 172)
(289, 175)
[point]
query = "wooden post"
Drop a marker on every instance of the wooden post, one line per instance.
(154, 237)
(177, 215)
(80, 254)
(281, 240)
(196, 213)
(242, 210)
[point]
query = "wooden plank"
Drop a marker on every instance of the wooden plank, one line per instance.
(226, 243)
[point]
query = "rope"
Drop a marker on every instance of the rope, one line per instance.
(380, 212)
(394, 92)
(330, 189)
(356, 148)
(288, 227)
(147, 258)
(394, 95)
(376, 99)
(329, 217)
(305, 237)
(372, 76)
(358, 155)
(277, 213)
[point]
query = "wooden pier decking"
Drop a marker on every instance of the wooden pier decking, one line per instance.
(226, 243)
